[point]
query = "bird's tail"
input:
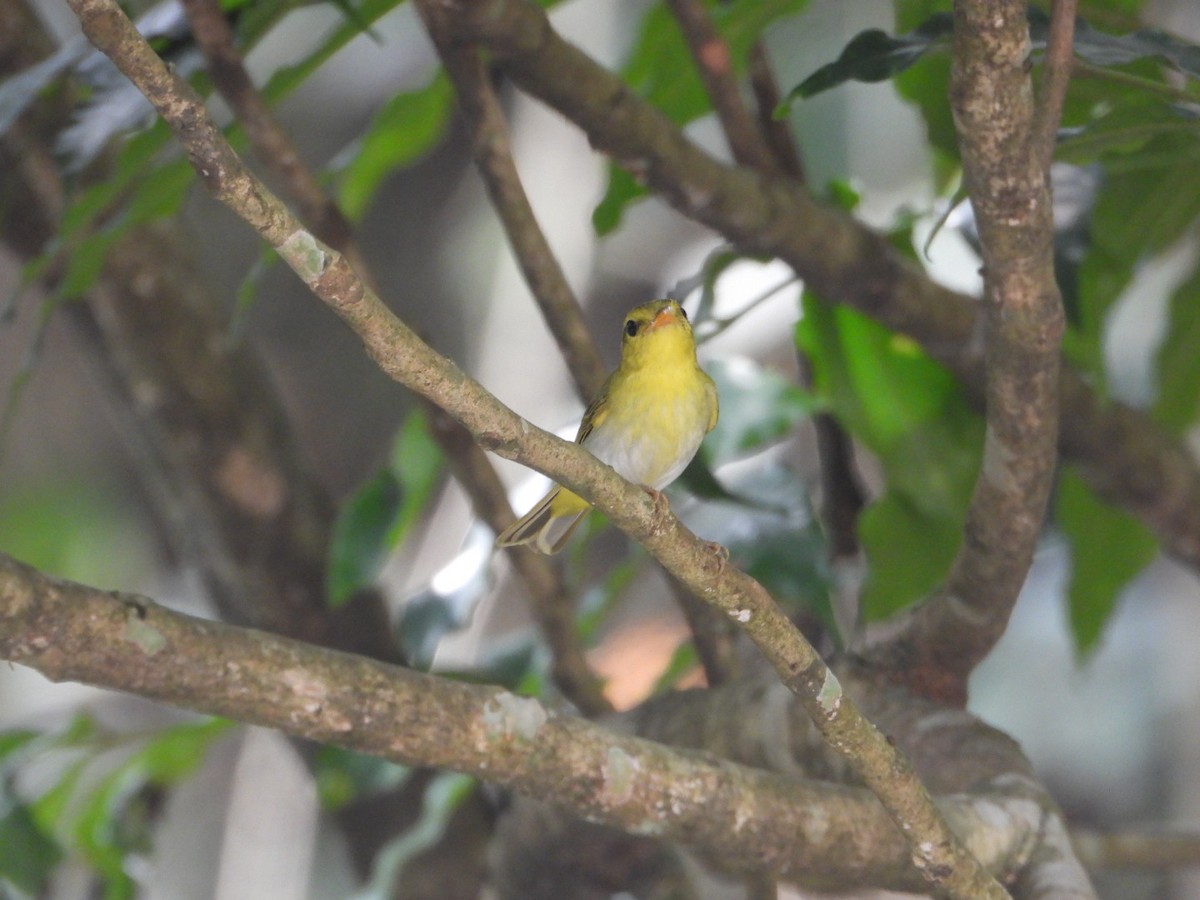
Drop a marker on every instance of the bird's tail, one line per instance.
(547, 527)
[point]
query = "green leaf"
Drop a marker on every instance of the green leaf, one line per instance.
(1138, 212)
(286, 79)
(914, 416)
(622, 190)
(1108, 548)
(874, 55)
(791, 563)
(1178, 402)
(903, 571)
(405, 128)
(361, 540)
(28, 855)
(343, 776)
(683, 661)
(378, 515)
(111, 824)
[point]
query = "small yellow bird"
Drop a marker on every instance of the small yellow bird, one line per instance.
(647, 422)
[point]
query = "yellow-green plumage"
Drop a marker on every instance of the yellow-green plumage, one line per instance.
(647, 421)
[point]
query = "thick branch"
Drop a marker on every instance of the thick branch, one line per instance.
(1135, 464)
(402, 355)
(747, 817)
(1008, 180)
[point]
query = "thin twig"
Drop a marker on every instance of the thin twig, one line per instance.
(713, 636)
(1136, 851)
(1056, 76)
(714, 62)
(767, 96)
(270, 141)
(550, 601)
(494, 159)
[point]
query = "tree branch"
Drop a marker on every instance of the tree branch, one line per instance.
(942, 641)
(403, 356)
(746, 817)
(714, 62)
(494, 159)
(1056, 76)
(1135, 464)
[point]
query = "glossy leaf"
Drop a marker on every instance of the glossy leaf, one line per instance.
(1108, 548)
(407, 127)
(373, 522)
(914, 416)
(873, 55)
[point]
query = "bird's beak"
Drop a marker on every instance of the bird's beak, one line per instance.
(666, 317)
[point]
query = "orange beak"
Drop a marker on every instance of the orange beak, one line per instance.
(666, 317)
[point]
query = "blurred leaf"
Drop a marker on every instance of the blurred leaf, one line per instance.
(286, 79)
(1125, 128)
(405, 128)
(1178, 365)
(72, 529)
(13, 741)
(873, 55)
(102, 828)
(28, 855)
(1108, 548)
(914, 416)
(1139, 211)
(758, 406)
(343, 776)
(682, 663)
(622, 190)
(791, 563)
(904, 569)
(376, 518)
(361, 541)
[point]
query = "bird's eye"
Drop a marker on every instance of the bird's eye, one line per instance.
(631, 327)
(684, 312)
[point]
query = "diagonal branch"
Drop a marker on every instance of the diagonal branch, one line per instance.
(711, 54)
(494, 159)
(402, 355)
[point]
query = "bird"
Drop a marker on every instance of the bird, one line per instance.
(646, 422)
